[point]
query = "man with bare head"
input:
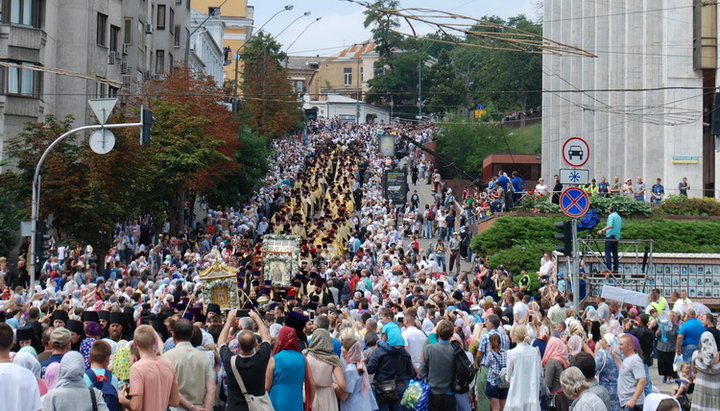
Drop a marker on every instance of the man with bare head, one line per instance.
(632, 377)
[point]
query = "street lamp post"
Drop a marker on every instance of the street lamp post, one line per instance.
(307, 13)
(237, 52)
(301, 33)
(35, 211)
(187, 41)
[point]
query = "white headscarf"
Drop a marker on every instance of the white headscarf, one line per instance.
(29, 362)
(706, 357)
(72, 369)
(652, 401)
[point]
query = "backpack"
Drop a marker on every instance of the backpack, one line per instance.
(431, 214)
(104, 384)
(464, 371)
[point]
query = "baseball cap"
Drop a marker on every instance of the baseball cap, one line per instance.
(60, 336)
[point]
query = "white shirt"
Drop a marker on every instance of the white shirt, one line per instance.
(18, 388)
(546, 266)
(541, 189)
(414, 343)
(520, 311)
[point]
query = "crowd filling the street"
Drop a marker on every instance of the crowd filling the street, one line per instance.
(387, 307)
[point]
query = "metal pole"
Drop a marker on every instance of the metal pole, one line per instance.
(357, 97)
(237, 57)
(573, 261)
(420, 89)
(187, 41)
(35, 205)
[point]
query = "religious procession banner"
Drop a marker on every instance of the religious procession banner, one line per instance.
(281, 258)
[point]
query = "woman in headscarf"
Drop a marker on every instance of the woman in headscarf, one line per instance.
(706, 364)
(666, 338)
(357, 394)
(93, 332)
(554, 361)
(574, 345)
(326, 370)
(71, 393)
(543, 333)
(28, 361)
(286, 372)
(606, 369)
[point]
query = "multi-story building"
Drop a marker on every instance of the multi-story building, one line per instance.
(237, 17)
(348, 73)
(301, 71)
(80, 49)
(645, 103)
(207, 55)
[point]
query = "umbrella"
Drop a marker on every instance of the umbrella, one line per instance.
(699, 308)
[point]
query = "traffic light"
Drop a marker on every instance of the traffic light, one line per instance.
(146, 119)
(565, 235)
(43, 243)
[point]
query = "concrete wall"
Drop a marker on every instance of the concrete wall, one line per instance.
(630, 133)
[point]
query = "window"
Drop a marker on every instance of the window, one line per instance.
(160, 62)
(24, 12)
(22, 81)
(113, 91)
(347, 76)
(177, 35)
(298, 86)
(128, 32)
(172, 21)
(171, 62)
(187, 5)
(114, 37)
(100, 90)
(160, 17)
(212, 11)
(102, 20)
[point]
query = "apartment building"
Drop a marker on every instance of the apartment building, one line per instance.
(57, 54)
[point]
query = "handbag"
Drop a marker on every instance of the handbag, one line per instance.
(386, 391)
(254, 402)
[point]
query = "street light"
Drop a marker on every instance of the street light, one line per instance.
(187, 41)
(237, 52)
(301, 33)
(307, 13)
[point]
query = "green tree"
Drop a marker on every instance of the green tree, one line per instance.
(511, 80)
(11, 212)
(269, 106)
(447, 90)
(383, 25)
(253, 158)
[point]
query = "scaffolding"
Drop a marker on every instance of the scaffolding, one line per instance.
(635, 271)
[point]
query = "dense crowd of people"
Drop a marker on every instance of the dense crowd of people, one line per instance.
(368, 314)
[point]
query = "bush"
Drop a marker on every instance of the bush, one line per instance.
(681, 205)
(509, 231)
(536, 203)
(676, 236)
(526, 238)
(625, 206)
(519, 258)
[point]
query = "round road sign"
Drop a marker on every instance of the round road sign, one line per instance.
(576, 151)
(574, 202)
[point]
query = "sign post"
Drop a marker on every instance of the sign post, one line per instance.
(574, 201)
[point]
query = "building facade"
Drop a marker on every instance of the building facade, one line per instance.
(640, 104)
(346, 74)
(237, 17)
(207, 55)
(81, 49)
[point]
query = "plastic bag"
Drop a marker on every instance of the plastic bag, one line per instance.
(413, 396)
(423, 403)
(677, 361)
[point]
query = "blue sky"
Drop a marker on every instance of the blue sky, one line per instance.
(341, 23)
